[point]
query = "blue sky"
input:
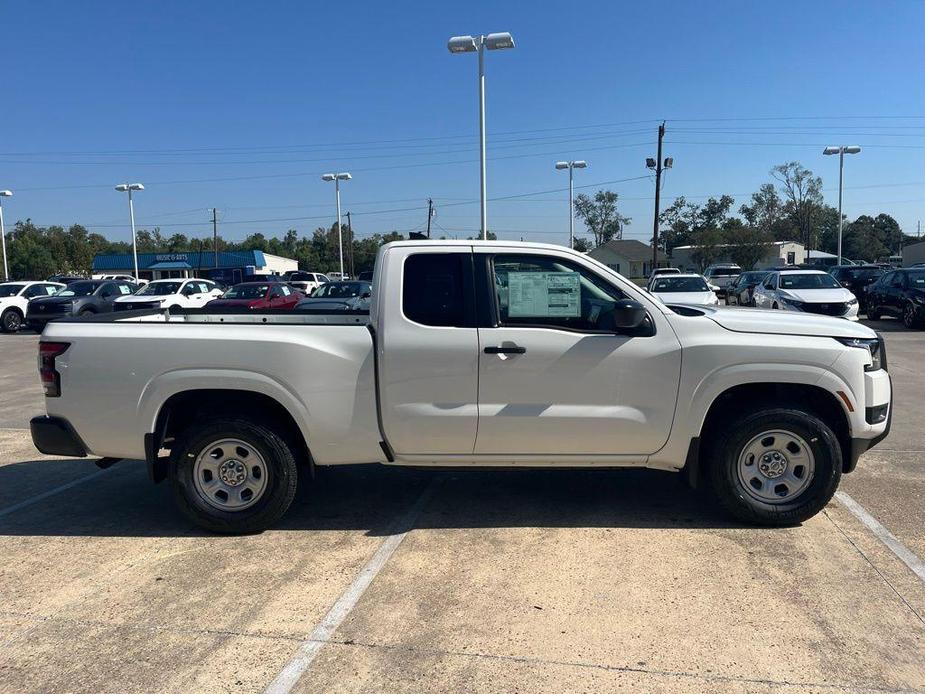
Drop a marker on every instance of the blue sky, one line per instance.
(267, 96)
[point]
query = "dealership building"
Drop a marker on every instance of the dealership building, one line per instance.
(232, 267)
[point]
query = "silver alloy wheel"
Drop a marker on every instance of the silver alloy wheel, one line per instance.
(230, 475)
(11, 321)
(776, 466)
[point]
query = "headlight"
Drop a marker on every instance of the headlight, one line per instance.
(874, 347)
(792, 303)
(852, 302)
(919, 299)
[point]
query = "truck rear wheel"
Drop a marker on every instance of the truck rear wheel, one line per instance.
(233, 475)
(776, 467)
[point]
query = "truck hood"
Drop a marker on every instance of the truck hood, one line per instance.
(818, 296)
(749, 320)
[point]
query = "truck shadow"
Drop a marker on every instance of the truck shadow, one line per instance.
(369, 498)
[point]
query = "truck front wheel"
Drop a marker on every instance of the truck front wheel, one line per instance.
(233, 475)
(775, 467)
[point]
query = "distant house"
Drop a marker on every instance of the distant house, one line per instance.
(778, 253)
(631, 258)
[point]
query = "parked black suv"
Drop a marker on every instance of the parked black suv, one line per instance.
(899, 293)
(856, 278)
(77, 299)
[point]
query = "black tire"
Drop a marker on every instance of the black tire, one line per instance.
(87, 312)
(909, 317)
(730, 490)
(279, 463)
(872, 313)
(775, 307)
(11, 321)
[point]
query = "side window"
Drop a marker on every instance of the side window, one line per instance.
(33, 291)
(887, 279)
(322, 278)
(107, 290)
(551, 292)
(434, 289)
(188, 289)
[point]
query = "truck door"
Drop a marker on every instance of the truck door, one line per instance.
(428, 350)
(556, 377)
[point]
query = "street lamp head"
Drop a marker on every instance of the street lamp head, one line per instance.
(580, 164)
(461, 44)
(499, 41)
(852, 149)
(831, 150)
(561, 164)
(328, 177)
(650, 163)
(344, 176)
(6, 193)
(122, 187)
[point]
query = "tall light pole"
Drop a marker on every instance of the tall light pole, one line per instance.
(6, 271)
(337, 178)
(470, 44)
(841, 151)
(571, 165)
(128, 188)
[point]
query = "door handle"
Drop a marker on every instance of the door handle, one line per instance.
(513, 349)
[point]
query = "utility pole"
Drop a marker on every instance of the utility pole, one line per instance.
(658, 190)
(214, 239)
(350, 241)
(430, 214)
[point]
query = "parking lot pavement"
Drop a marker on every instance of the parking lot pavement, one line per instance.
(507, 581)
(20, 393)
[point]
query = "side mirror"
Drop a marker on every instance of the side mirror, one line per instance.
(366, 295)
(628, 314)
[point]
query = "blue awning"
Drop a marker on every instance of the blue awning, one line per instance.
(171, 266)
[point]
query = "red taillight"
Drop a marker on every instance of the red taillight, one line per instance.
(51, 379)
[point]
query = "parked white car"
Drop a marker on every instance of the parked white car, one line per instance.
(306, 282)
(660, 272)
(684, 288)
(121, 278)
(809, 291)
(178, 293)
(15, 297)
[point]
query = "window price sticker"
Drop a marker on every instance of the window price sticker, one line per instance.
(544, 295)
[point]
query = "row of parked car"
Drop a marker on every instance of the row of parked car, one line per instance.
(36, 303)
(844, 291)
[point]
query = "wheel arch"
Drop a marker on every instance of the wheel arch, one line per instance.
(197, 403)
(743, 397)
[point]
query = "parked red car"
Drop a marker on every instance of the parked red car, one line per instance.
(258, 295)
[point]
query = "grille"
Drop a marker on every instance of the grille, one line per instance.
(833, 309)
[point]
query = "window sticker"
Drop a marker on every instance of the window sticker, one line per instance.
(544, 295)
(124, 289)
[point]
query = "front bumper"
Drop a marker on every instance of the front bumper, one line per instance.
(56, 436)
(859, 445)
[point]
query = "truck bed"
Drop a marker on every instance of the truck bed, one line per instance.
(320, 367)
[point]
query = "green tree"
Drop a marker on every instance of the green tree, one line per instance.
(802, 192)
(679, 220)
(600, 216)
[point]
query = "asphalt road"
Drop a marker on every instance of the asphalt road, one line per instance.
(478, 581)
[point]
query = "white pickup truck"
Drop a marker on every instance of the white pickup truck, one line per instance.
(472, 354)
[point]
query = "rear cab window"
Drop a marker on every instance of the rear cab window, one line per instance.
(437, 290)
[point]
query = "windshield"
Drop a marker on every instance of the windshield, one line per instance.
(865, 273)
(753, 277)
(79, 289)
(815, 281)
(680, 284)
(10, 289)
(724, 271)
(247, 291)
(301, 277)
(340, 290)
(160, 289)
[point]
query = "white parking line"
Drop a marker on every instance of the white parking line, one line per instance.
(51, 492)
(885, 536)
(321, 634)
